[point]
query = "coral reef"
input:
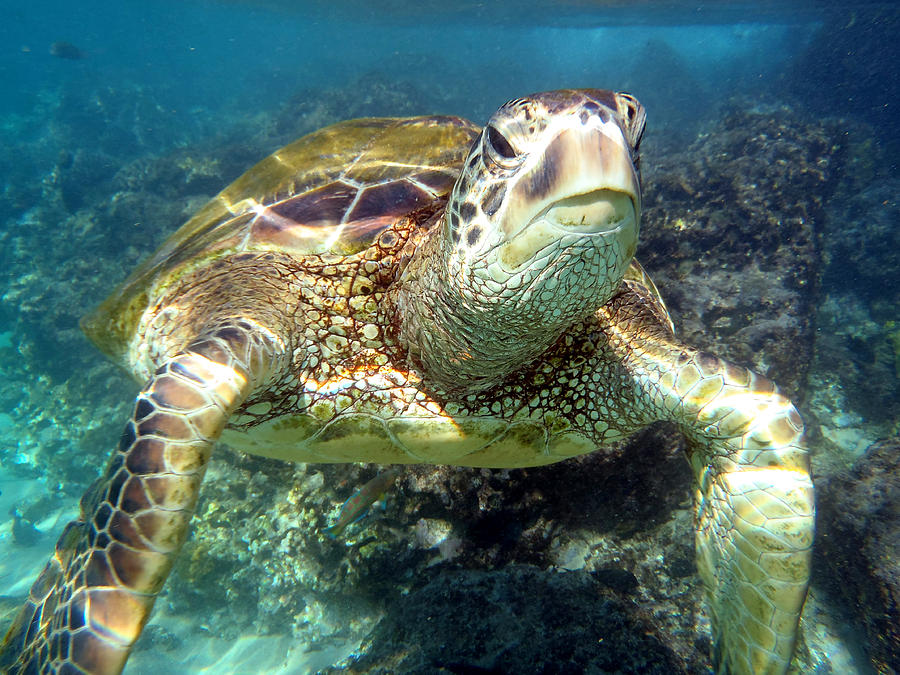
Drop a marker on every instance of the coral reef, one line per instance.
(375, 94)
(857, 543)
(862, 242)
(259, 527)
(437, 628)
(729, 235)
(855, 374)
(862, 250)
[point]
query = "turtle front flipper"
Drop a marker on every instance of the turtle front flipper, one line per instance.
(93, 598)
(753, 505)
(753, 496)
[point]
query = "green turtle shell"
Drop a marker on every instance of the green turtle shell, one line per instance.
(331, 191)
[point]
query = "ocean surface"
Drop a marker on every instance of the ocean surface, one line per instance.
(771, 228)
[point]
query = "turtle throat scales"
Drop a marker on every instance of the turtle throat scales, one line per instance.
(539, 230)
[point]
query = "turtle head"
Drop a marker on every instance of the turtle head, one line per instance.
(538, 233)
(543, 221)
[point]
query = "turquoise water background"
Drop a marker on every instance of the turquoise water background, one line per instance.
(201, 57)
(211, 87)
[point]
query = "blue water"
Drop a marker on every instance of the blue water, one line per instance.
(240, 57)
(91, 131)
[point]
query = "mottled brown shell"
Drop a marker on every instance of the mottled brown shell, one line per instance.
(331, 191)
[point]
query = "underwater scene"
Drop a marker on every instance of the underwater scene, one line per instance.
(487, 410)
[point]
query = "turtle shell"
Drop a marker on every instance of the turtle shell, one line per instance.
(331, 191)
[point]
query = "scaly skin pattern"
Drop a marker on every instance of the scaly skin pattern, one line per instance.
(93, 598)
(308, 357)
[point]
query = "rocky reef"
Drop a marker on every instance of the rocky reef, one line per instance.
(566, 611)
(858, 539)
(750, 230)
(730, 232)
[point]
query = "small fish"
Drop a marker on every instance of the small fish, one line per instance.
(66, 50)
(356, 508)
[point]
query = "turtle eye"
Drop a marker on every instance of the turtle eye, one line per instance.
(499, 149)
(632, 112)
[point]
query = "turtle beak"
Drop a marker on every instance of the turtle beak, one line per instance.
(584, 184)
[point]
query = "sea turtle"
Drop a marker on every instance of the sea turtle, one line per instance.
(422, 290)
